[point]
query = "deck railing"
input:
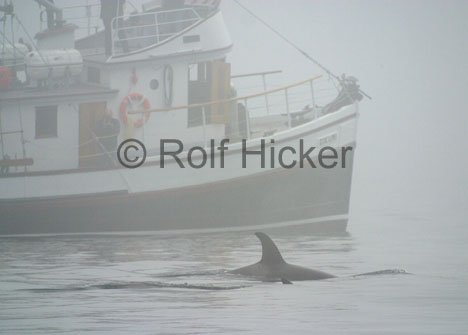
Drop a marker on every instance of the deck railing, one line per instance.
(139, 31)
(85, 16)
(283, 102)
(134, 31)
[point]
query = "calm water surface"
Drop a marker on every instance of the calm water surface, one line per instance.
(178, 285)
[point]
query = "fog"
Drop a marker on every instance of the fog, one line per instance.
(411, 57)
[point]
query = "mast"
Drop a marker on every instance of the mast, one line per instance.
(52, 8)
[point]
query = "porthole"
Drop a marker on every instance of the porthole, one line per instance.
(154, 84)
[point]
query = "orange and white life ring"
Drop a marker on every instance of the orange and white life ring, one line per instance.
(136, 102)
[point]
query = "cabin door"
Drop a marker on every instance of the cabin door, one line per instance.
(220, 90)
(90, 114)
(208, 81)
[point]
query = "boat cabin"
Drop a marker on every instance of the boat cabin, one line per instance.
(157, 74)
(172, 54)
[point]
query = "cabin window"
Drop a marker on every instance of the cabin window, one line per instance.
(94, 75)
(199, 92)
(46, 121)
(193, 72)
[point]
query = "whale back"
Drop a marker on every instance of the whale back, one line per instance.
(270, 252)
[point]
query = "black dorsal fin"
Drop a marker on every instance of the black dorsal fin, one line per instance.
(270, 252)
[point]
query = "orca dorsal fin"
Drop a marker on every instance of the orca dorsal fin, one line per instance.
(270, 252)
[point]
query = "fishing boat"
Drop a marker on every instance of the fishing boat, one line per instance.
(159, 76)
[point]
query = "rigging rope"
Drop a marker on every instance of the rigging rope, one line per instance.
(4, 35)
(12, 43)
(1, 135)
(295, 46)
(13, 38)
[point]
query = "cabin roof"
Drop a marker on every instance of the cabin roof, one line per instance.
(69, 27)
(75, 91)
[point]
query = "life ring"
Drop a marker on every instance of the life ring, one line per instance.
(140, 101)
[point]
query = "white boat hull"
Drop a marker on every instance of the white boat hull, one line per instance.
(151, 198)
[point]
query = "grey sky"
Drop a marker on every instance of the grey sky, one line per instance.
(410, 56)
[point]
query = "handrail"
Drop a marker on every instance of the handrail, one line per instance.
(224, 101)
(82, 6)
(123, 25)
(84, 16)
(145, 14)
(255, 74)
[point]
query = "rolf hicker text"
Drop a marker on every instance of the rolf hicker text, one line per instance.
(269, 155)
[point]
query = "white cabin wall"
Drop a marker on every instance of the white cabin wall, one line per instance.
(160, 125)
(55, 153)
(10, 122)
